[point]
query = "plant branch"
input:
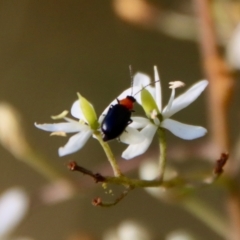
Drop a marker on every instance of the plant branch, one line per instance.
(125, 181)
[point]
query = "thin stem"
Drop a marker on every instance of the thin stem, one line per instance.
(163, 150)
(207, 215)
(110, 156)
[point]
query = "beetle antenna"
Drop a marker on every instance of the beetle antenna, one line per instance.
(145, 87)
(131, 76)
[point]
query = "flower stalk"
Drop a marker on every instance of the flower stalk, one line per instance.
(163, 151)
(112, 160)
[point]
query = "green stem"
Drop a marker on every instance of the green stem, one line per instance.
(163, 150)
(109, 154)
(207, 215)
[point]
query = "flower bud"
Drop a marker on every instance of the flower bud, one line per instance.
(148, 102)
(88, 112)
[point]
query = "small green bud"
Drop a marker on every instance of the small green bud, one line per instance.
(148, 103)
(89, 112)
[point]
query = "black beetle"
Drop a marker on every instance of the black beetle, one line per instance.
(117, 118)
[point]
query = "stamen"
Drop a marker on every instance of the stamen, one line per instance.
(176, 84)
(173, 86)
(60, 116)
(61, 134)
(154, 117)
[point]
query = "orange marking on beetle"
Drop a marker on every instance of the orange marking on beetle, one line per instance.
(128, 102)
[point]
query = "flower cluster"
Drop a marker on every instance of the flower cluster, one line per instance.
(139, 134)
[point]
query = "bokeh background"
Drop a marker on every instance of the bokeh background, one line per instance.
(49, 51)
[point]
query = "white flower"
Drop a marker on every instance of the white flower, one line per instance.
(82, 127)
(14, 204)
(86, 125)
(150, 126)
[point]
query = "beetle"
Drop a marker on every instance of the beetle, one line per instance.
(117, 118)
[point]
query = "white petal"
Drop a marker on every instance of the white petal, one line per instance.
(169, 105)
(76, 111)
(67, 127)
(158, 89)
(139, 122)
(141, 79)
(13, 206)
(184, 131)
(134, 150)
(70, 120)
(131, 136)
(75, 143)
(185, 99)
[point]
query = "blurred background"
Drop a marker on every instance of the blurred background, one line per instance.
(49, 51)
